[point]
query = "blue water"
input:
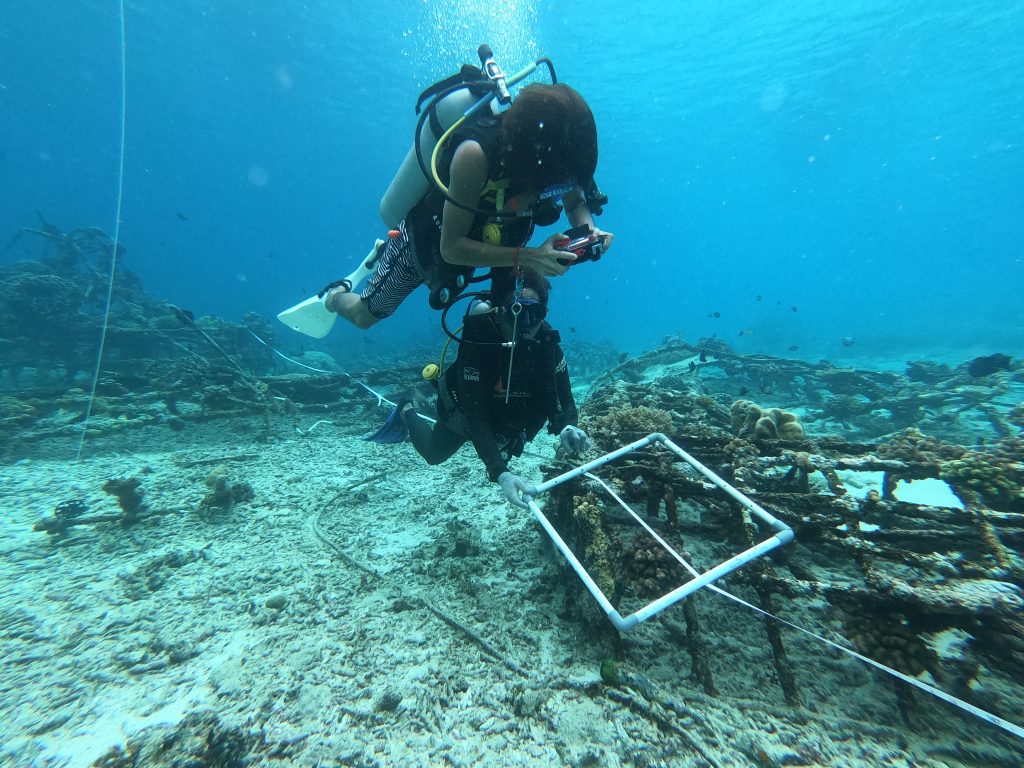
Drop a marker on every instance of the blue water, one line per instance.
(860, 162)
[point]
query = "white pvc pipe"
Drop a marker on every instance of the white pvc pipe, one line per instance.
(577, 566)
(765, 516)
(783, 535)
(598, 462)
(707, 577)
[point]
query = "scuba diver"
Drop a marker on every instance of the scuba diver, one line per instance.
(473, 187)
(508, 379)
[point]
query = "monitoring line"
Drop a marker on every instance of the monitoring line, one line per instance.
(117, 237)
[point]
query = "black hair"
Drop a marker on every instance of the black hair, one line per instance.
(548, 136)
(503, 285)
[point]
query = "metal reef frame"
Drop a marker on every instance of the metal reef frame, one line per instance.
(783, 534)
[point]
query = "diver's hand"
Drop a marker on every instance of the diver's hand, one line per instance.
(545, 258)
(574, 439)
(512, 486)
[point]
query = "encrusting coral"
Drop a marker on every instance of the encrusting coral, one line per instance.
(915, 447)
(651, 570)
(996, 479)
(596, 554)
(627, 423)
(888, 639)
(1016, 416)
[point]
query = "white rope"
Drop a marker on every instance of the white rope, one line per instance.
(117, 237)
(381, 400)
(995, 720)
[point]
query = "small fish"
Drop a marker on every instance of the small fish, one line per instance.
(758, 298)
(793, 308)
(703, 356)
(744, 391)
(766, 389)
(848, 341)
(747, 332)
(714, 314)
(793, 347)
(572, 329)
(181, 216)
(693, 366)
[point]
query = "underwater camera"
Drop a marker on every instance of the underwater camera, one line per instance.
(583, 242)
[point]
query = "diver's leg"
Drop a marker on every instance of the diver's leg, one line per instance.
(351, 307)
(435, 444)
(366, 267)
(395, 275)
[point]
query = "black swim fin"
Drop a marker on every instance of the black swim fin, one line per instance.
(393, 430)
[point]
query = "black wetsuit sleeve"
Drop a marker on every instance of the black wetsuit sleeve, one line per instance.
(477, 372)
(565, 408)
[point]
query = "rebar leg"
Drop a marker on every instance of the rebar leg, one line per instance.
(787, 680)
(698, 648)
(782, 668)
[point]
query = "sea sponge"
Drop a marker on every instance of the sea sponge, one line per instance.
(224, 495)
(749, 419)
(128, 492)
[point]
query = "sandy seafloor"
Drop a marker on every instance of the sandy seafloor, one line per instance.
(252, 615)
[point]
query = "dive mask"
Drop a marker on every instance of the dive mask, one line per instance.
(530, 313)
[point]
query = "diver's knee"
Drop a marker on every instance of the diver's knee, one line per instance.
(354, 309)
(364, 320)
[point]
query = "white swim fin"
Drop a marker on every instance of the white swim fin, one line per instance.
(310, 317)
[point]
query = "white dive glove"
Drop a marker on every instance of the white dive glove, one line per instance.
(512, 486)
(574, 439)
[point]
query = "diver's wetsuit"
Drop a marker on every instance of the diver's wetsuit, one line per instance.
(472, 405)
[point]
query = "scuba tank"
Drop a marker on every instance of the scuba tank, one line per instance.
(410, 184)
(472, 90)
